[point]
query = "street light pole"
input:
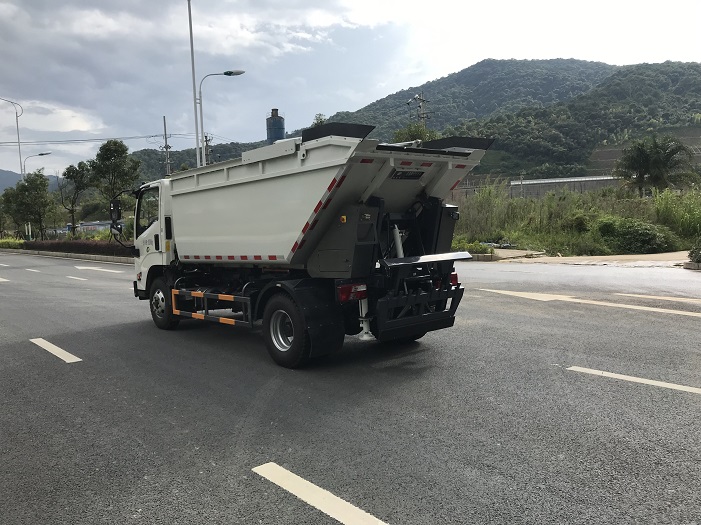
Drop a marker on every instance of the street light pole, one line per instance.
(24, 164)
(194, 92)
(17, 116)
(231, 73)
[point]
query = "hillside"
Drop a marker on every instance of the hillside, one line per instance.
(558, 140)
(488, 88)
(548, 116)
(8, 179)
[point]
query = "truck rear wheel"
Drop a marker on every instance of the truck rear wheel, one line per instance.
(161, 308)
(285, 333)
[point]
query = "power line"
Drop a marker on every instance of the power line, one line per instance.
(81, 141)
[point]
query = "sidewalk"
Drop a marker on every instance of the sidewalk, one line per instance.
(672, 259)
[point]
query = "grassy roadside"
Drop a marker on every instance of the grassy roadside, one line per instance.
(605, 222)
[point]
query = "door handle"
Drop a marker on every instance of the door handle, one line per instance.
(157, 242)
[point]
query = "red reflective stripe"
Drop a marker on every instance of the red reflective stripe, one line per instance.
(294, 247)
(302, 243)
(257, 258)
(454, 185)
(318, 207)
(314, 224)
(244, 257)
(426, 164)
(197, 256)
(186, 256)
(460, 166)
(306, 227)
(340, 181)
(231, 257)
(219, 257)
(326, 204)
(207, 257)
(333, 183)
(272, 257)
(405, 163)
(366, 161)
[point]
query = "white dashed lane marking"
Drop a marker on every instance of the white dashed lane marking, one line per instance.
(30, 270)
(76, 278)
(321, 499)
(633, 379)
(55, 350)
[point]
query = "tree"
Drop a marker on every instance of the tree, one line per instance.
(12, 208)
(319, 119)
(29, 201)
(415, 131)
(654, 163)
(76, 181)
(113, 171)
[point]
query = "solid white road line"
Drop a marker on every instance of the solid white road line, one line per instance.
(58, 352)
(570, 299)
(98, 269)
(76, 278)
(30, 270)
(5, 265)
(663, 298)
(333, 506)
(633, 379)
(3, 280)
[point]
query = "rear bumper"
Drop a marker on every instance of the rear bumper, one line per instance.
(413, 314)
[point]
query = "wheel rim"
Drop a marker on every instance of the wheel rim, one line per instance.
(281, 330)
(158, 303)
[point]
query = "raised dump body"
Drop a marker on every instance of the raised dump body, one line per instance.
(315, 238)
(277, 202)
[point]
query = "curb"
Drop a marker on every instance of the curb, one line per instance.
(692, 266)
(484, 257)
(64, 255)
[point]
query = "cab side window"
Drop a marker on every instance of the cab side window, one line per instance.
(147, 212)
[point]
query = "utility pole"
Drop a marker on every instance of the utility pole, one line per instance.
(206, 151)
(166, 147)
(421, 112)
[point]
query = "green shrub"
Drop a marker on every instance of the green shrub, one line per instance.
(623, 235)
(12, 244)
(695, 252)
(460, 244)
(86, 246)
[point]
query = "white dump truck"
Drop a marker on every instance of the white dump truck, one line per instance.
(314, 238)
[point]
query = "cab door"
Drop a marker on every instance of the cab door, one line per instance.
(148, 237)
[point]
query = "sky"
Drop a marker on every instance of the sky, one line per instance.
(84, 71)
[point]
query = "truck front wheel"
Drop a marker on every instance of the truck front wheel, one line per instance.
(285, 333)
(161, 307)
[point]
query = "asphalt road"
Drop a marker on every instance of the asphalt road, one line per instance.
(486, 422)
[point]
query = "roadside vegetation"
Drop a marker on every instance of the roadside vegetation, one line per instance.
(604, 222)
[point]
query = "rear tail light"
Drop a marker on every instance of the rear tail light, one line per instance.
(454, 279)
(352, 292)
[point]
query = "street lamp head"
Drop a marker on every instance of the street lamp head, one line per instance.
(43, 153)
(234, 73)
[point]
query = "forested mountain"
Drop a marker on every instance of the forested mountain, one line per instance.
(8, 179)
(558, 140)
(490, 87)
(547, 115)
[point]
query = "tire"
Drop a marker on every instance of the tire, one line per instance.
(161, 308)
(285, 332)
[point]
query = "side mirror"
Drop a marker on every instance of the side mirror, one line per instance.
(115, 211)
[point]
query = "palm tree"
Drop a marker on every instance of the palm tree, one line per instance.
(653, 162)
